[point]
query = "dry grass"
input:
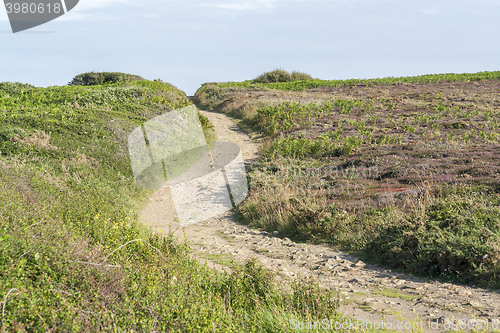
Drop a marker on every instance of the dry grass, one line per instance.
(38, 138)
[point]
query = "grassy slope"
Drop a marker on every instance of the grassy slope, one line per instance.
(72, 255)
(404, 170)
(316, 83)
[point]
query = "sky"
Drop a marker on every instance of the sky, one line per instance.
(190, 42)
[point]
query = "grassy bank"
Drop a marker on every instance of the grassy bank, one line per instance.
(403, 170)
(72, 254)
(304, 83)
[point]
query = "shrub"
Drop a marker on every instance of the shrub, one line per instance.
(93, 78)
(299, 76)
(280, 75)
(456, 238)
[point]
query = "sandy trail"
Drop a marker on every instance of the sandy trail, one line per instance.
(368, 292)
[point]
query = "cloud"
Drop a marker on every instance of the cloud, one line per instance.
(269, 4)
(91, 4)
(243, 4)
(3, 14)
(78, 11)
(430, 11)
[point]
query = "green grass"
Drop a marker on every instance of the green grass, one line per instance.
(365, 306)
(395, 293)
(221, 258)
(73, 256)
(93, 79)
(301, 85)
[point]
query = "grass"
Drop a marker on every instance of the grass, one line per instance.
(300, 84)
(73, 256)
(365, 306)
(220, 258)
(402, 170)
(395, 293)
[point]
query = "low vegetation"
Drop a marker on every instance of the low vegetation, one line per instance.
(303, 82)
(402, 170)
(95, 79)
(73, 256)
(280, 75)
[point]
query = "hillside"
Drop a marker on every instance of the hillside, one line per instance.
(402, 171)
(73, 256)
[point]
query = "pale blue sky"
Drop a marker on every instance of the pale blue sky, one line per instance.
(190, 42)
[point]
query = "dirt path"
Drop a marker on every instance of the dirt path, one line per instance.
(368, 292)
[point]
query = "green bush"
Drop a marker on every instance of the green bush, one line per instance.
(456, 238)
(280, 75)
(93, 78)
(299, 76)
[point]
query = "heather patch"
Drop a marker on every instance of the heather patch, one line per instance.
(426, 136)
